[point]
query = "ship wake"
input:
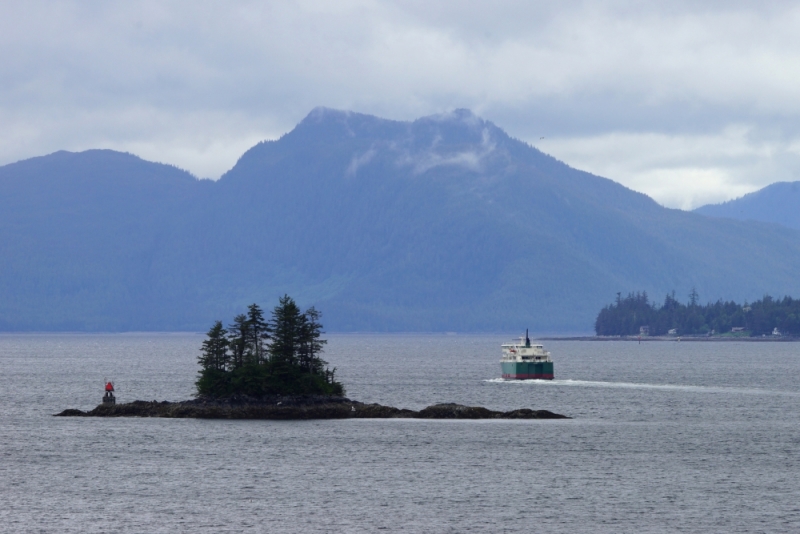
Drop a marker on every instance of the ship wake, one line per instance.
(635, 385)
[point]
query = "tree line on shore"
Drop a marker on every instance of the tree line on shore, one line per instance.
(258, 357)
(627, 315)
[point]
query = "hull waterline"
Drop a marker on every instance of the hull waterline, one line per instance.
(527, 371)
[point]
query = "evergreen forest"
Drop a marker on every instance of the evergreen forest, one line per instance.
(257, 357)
(627, 315)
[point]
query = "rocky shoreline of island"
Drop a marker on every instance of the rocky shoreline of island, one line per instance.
(297, 407)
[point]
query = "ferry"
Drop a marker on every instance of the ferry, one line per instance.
(523, 361)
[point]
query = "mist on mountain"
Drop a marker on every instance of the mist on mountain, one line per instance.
(441, 224)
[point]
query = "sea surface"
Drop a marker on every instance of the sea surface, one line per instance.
(665, 437)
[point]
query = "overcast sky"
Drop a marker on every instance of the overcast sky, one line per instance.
(689, 102)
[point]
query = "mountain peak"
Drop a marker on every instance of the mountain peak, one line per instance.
(326, 114)
(460, 115)
(354, 122)
(322, 113)
(325, 123)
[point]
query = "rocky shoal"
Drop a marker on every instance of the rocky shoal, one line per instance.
(297, 407)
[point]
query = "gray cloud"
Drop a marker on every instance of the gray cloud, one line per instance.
(688, 102)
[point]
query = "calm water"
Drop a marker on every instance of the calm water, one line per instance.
(667, 437)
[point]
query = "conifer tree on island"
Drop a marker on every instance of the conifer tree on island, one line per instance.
(257, 357)
(215, 354)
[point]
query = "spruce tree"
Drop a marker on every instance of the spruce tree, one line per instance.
(257, 334)
(311, 343)
(693, 298)
(286, 326)
(214, 353)
(239, 333)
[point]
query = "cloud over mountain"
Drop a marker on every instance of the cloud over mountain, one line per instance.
(689, 102)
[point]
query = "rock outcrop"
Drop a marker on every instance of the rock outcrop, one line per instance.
(297, 407)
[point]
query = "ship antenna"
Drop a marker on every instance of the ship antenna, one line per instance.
(527, 339)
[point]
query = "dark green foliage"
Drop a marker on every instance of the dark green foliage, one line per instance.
(260, 380)
(239, 334)
(311, 343)
(267, 358)
(257, 334)
(768, 313)
(626, 316)
(287, 322)
(215, 353)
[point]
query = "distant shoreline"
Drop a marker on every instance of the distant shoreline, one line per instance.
(766, 339)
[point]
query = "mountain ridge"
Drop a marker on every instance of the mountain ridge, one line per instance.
(444, 223)
(777, 203)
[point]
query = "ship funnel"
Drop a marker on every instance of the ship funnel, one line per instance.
(527, 339)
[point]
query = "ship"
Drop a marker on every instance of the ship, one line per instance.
(524, 361)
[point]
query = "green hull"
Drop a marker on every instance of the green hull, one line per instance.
(527, 370)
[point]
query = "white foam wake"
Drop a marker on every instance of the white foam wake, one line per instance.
(634, 385)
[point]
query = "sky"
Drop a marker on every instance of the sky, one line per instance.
(689, 102)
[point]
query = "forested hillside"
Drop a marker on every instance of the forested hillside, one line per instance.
(777, 203)
(626, 316)
(440, 224)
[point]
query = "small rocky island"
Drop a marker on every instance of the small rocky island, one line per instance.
(297, 407)
(259, 369)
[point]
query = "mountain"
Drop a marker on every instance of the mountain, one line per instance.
(443, 223)
(777, 203)
(83, 237)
